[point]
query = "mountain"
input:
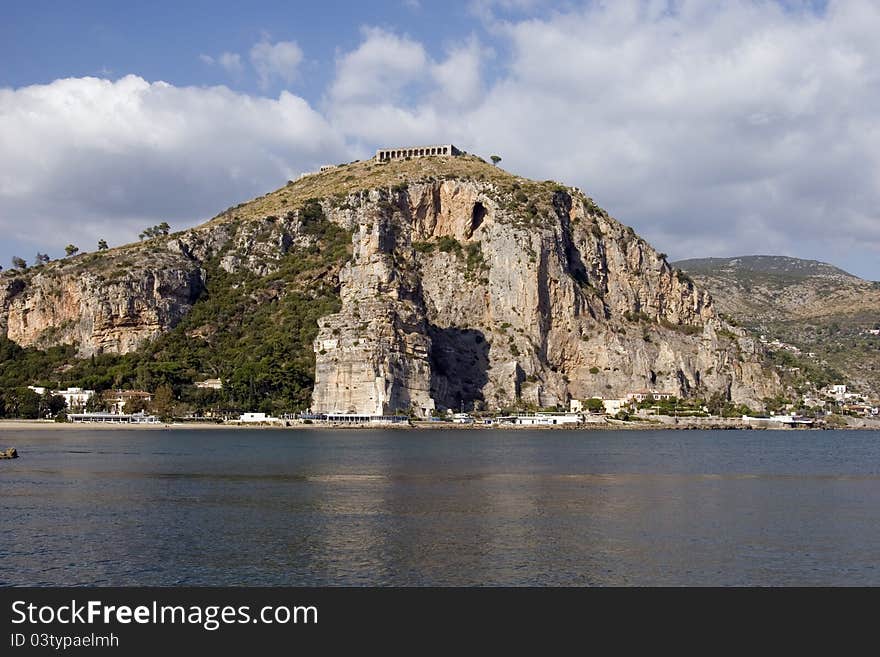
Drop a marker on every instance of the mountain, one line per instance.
(417, 284)
(812, 306)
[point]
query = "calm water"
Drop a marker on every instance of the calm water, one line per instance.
(445, 507)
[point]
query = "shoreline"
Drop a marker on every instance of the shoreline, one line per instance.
(609, 425)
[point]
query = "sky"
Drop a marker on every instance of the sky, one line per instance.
(714, 128)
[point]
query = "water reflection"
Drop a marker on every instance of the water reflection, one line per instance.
(421, 508)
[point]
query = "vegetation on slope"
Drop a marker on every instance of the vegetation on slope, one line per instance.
(253, 332)
(816, 318)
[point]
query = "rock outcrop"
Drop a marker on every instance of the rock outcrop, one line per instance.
(464, 287)
(108, 305)
(450, 282)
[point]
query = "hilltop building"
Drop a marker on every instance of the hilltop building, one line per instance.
(388, 154)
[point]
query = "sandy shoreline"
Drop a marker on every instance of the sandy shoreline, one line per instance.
(7, 426)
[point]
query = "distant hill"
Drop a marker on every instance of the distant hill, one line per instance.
(811, 305)
(793, 269)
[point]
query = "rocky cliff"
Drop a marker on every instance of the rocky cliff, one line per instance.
(463, 286)
(464, 293)
(99, 304)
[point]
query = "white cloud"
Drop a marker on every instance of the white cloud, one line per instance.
(379, 68)
(279, 60)
(231, 63)
(228, 61)
(88, 158)
(459, 76)
(712, 128)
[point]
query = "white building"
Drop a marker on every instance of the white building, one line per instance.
(613, 406)
(210, 384)
(542, 419)
(642, 395)
(113, 418)
(838, 391)
(75, 397)
(253, 418)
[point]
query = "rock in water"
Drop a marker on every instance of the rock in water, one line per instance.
(10, 453)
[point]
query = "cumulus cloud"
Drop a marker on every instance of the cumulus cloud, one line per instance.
(88, 158)
(278, 60)
(460, 76)
(379, 68)
(712, 128)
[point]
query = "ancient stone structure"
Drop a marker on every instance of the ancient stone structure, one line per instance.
(388, 154)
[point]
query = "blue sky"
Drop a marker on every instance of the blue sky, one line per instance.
(43, 41)
(713, 128)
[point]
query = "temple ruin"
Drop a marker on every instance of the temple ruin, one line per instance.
(388, 154)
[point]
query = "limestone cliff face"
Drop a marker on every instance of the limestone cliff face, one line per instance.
(465, 286)
(374, 356)
(453, 297)
(112, 308)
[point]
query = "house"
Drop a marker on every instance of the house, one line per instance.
(541, 419)
(116, 400)
(75, 398)
(614, 406)
(648, 395)
(254, 417)
(210, 384)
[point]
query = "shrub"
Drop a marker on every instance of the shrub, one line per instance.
(448, 244)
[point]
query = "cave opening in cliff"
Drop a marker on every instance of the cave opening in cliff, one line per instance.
(477, 216)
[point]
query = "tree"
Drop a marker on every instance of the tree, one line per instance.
(155, 231)
(51, 405)
(41, 258)
(19, 263)
(134, 405)
(71, 249)
(495, 159)
(102, 245)
(22, 403)
(95, 404)
(163, 401)
(594, 405)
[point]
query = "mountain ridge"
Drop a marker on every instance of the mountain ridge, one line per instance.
(810, 306)
(387, 287)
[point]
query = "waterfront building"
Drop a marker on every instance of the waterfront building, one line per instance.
(540, 419)
(643, 395)
(116, 400)
(113, 418)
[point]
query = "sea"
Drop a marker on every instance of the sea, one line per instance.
(450, 507)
